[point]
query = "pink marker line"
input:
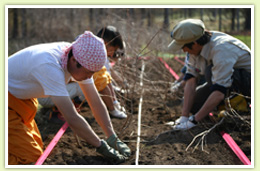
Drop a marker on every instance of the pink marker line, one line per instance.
(176, 76)
(52, 144)
(180, 61)
(232, 144)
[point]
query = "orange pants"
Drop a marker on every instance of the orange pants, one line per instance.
(24, 139)
(101, 79)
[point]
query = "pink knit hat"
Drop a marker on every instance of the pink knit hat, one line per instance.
(90, 51)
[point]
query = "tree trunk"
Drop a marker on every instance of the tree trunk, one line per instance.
(132, 14)
(247, 19)
(220, 19)
(185, 12)
(149, 18)
(166, 18)
(91, 23)
(189, 12)
(238, 22)
(142, 16)
(15, 23)
(214, 14)
(24, 22)
(233, 16)
(201, 14)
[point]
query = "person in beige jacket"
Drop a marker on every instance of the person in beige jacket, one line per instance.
(224, 60)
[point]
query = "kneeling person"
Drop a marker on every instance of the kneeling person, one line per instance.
(44, 70)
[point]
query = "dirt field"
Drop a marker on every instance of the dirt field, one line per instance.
(159, 145)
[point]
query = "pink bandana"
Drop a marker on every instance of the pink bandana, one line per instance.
(89, 50)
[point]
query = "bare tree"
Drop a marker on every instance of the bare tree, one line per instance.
(247, 13)
(149, 18)
(220, 19)
(91, 23)
(15, 23)
(238, 22)
(24, 22)
(190, 12)
(214, 12)
(132, 14)
(143, 15)
(185, 12)
(233, 16)
(166, 18)
(201, 14)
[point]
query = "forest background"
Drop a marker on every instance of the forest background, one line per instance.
(28, 26)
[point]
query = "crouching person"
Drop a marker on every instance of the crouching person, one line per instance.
(225, 61)
(44, 70)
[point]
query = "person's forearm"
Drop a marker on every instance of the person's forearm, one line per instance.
(83, 130)
(76, 122)
(213, 100)
(102, 117)
(189, 94)
(99, 110)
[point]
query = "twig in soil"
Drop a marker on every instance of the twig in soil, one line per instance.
(77, 139)
(75, 135)
(134, 141)
(83, 101)
(203, 135)
(126, 124)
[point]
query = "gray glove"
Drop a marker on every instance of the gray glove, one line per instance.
(110, 153)
(117, 144)
(176, 86)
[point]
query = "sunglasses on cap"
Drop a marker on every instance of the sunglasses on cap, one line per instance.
(119, 53)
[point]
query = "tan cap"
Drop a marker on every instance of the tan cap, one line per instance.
(185, 32)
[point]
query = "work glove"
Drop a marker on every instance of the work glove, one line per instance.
(110, 153)
(186, 125)
(117, 144)
(176, 86)
(178, 121)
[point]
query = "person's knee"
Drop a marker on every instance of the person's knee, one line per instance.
(105, 91)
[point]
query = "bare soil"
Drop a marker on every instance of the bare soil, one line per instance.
(159, 145)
